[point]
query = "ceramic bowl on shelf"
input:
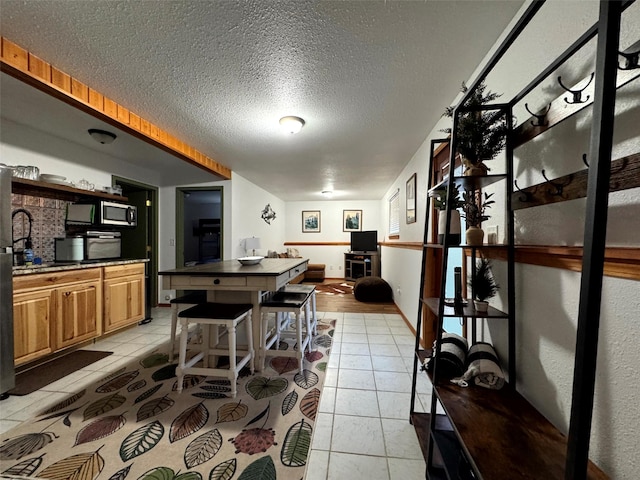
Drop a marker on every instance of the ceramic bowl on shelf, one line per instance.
(50, 178)
(250, 260)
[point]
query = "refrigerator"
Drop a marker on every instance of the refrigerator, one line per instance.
(7, 369)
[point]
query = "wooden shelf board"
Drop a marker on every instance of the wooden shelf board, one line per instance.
(470, 182)
(523, 444)
(625, 174)
(466, 311)
(60, 192)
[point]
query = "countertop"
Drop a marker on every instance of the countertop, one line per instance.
(61, 266)
(233, 268)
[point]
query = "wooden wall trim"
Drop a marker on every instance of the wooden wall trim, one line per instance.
(405, 245)
(620, 262)
(27, 67)
(316, 244)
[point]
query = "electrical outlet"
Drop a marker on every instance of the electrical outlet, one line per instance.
(172, 242)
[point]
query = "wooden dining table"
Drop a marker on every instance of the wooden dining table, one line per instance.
(231, 282)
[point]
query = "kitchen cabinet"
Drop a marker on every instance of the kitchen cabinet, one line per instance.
(123, 295)
(78, 312)
(32, 320)
(53, 311)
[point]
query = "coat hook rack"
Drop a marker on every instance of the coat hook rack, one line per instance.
(524, 196)
(558, 187)
(540, 118)
(631, 60)
(577, 94)
(584, 159)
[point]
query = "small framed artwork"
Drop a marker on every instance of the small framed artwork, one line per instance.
(310, 221)
(351, 220)
(411, 199)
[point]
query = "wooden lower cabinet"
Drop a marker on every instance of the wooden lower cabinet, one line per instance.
(78, 313)
(32, 320)
(52, 311)
(124, 297)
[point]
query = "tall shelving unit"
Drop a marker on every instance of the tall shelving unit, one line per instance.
(498, 434)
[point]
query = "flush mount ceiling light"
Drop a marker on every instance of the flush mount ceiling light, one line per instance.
(292, 124)
(102, 136)
(327, 193)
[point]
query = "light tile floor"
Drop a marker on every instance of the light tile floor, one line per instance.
(362, 431)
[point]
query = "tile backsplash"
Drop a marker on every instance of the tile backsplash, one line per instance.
(48, 222)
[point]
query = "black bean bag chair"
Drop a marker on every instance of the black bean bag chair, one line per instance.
(372, 289)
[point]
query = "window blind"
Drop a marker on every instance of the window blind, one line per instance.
(394, 214)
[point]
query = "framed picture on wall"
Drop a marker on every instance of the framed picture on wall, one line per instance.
(351, 220)
(310, 221)
(411, 199)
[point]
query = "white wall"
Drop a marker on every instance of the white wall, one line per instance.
(331, 214)
(401, 266)
(23, 145)
(248, 201)
(548, 298)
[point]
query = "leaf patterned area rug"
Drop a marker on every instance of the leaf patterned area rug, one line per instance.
(134, 425)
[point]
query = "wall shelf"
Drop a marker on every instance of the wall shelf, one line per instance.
(23, 186)
(625, 174)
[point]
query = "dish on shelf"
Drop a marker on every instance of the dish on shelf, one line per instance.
(50, 178)
(250, 260)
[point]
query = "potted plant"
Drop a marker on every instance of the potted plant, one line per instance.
(483, 285)
(440, 201)
(481, 134)
(474, 212)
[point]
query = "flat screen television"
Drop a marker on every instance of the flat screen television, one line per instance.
(366, 241)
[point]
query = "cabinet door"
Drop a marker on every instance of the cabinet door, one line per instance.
(123, 301)
(78, 313)
(32, 320)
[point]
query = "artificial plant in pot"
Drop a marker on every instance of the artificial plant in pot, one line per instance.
(474, 209)
(483, 285)
(481, 134)
(440, 201)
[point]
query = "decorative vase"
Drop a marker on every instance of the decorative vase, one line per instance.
(481, 306)
(479, 170)
(474, 236)
(454, 230)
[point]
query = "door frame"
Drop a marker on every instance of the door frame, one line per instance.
(152, 231)
(180, 196)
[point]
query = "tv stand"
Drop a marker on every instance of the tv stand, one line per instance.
(361, 264)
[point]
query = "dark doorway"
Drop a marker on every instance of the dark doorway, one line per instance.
(142, 240)
(198, 225)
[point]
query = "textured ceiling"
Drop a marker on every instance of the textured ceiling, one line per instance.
(370, 78)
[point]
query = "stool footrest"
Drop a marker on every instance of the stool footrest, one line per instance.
(222, 311)
(199, 296)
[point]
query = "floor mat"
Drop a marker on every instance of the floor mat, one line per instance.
(42, 375)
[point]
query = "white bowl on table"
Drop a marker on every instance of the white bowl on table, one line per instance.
(250, 260)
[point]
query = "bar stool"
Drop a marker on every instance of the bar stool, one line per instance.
(309, 290)
(180, 303)
(206, 315)
(281, 303)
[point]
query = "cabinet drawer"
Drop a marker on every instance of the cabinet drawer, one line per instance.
(217, 281)
(124, 270)
(294, 272)
(39, 280)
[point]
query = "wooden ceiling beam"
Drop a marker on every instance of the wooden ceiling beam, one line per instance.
(27, 67)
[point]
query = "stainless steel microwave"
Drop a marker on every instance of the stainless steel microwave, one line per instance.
(102, 213)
